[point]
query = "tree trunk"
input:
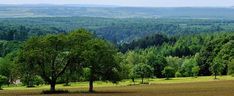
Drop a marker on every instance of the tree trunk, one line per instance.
(167, 77)
(91, 79)
(52, 86)
(91, 85)
(67, 81)
(133, 81)
(215, 75)
(142, 80)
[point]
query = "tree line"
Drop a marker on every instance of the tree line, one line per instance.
(186, 56)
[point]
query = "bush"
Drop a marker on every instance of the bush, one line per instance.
(38, 80)
(178, 74)
(195, 71)
(31, 81)
(3, 80)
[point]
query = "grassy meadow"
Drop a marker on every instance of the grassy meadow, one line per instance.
(205, 86)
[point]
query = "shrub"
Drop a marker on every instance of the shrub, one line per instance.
(178, 74)
(195, 71)
(31, 81)
(3, 80)
(38, 80)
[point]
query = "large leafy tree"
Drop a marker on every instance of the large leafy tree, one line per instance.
(47, 56)
(101, 58)
(50, 56)
(158, 63)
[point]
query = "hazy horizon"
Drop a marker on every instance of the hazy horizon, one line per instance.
(133, 3)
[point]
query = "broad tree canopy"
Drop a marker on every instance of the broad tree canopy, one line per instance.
(50, 56)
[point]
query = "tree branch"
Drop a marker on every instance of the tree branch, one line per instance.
(63, 70)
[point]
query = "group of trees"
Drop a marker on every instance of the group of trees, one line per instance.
(187, 56)
(53, 56)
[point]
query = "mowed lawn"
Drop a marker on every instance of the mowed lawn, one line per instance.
(201, 86)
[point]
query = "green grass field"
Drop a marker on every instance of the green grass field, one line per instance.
(202, 86)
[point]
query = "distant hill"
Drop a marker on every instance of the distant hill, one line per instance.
(112, 11)
(116, 30)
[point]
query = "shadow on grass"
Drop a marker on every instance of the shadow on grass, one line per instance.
(101, 92)
(84, 92)
(55, 92)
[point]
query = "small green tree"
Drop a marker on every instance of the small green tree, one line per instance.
(175, 62)
(195, 71)
(168, 72)
(3, 80)
(142, 70)
(132, 75)
(101, 58)
(216, 67)
(186, 68)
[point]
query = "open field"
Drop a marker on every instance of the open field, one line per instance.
(202, 86)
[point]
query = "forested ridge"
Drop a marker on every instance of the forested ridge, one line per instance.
(69, 10)
(55, 50)
(115, 30)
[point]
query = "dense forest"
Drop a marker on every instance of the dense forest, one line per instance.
(118, 31)
(52, 50)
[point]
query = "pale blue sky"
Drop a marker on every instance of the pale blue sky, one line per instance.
(150, 3)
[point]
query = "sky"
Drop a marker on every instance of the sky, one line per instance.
(145, 3)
